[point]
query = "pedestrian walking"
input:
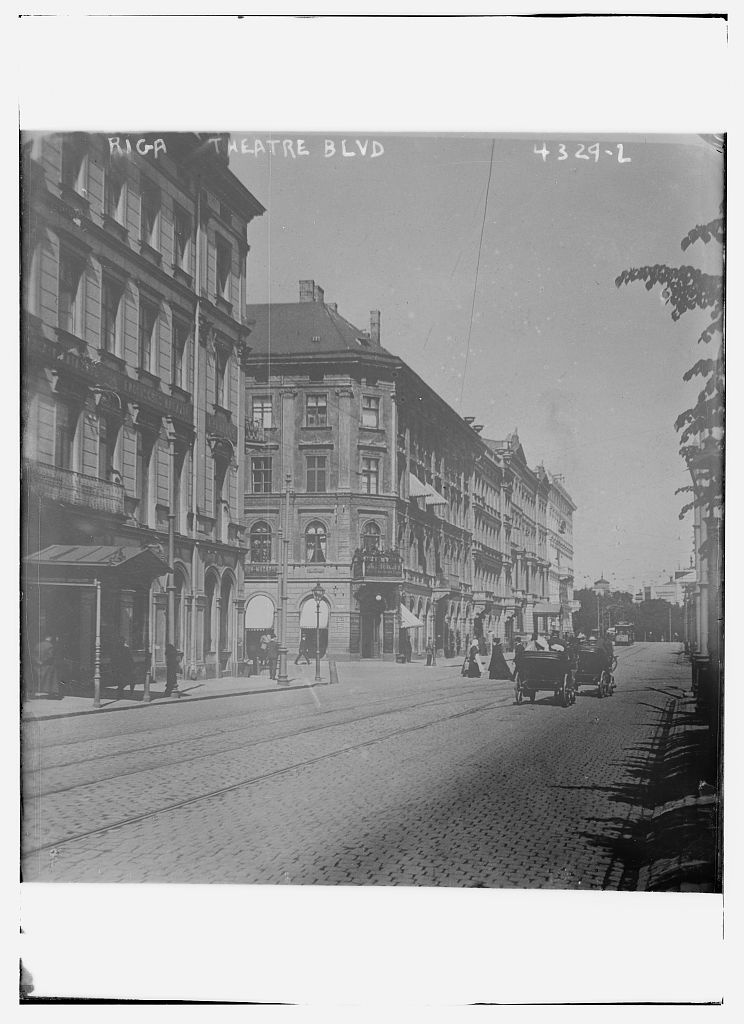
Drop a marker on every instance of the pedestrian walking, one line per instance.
(172, 668)
(407, 648)
(303, 652)
(518, 652)
(474, 670)
(263, 650)
(46, 679)
(122, 667)
(497, 667)
(272, 654)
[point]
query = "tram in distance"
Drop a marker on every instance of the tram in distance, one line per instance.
(624, 634)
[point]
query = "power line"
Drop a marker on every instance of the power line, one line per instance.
(477, 268)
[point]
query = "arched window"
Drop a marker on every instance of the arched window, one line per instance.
(371, 538)
(315, 542)
(261, 542)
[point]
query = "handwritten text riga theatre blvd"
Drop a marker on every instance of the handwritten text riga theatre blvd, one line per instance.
(294, 148)
(290, 148)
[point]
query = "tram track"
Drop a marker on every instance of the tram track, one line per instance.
(254, 780)
(130, 751)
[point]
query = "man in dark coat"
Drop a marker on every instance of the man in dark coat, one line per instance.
(45, 670)
(497, 667)
(172, 665)
(122, 667)
(303, 651)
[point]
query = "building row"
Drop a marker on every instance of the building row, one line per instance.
(184, 450)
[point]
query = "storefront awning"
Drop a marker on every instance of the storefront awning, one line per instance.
(418, 489)
(408, 620)
(83, 562)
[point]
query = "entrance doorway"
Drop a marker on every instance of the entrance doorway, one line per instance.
(370, 625)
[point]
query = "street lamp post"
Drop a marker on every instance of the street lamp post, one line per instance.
(283, 678)
(318, 595)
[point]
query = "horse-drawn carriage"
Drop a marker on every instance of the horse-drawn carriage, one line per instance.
(594, 667)
(545, 670)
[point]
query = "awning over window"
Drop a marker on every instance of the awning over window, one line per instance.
(418, 489)
(408, 620)
(86, 562)
(259, 612)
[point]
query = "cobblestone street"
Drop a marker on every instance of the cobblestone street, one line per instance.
(399, 775)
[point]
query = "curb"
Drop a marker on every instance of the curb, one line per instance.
(160, 702)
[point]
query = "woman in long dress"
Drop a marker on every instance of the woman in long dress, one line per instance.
(497, 667)
(473, 666)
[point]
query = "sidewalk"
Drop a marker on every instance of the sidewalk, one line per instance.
(300, 677)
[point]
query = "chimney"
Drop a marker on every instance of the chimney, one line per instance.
(307, 291)
(374, 326)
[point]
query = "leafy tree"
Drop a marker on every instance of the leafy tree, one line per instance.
(701, 426)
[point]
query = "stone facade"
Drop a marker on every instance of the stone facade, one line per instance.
(418, 529)
(134, 338)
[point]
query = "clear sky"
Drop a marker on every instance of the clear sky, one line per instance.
(588, 373)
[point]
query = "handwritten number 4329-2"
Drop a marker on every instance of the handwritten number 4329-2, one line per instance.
(583, 152)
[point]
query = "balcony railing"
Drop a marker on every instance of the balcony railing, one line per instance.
(255, 432)
(261, 570)
(68, 488)
(377, 565)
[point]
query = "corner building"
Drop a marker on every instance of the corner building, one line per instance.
(134, 338)
(387, 496)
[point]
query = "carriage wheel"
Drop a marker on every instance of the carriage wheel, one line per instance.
(566, 692)
(572, 688)
(604, 684)
(518, 690)
(532, 696)
(611, 686)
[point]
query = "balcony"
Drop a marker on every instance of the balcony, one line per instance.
(255, 432)
(64, 487)
(377, 566)
(220, 424)
(261, 570)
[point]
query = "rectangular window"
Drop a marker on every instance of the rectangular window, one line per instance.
(371, 476)
(73, 156)
(370, 411)
(224, 269)
(144, 460)
(220, 367)
(316, 473)
(113, 194)
(70, 273)
(182, 235)
(262, 412)
(181, 336)
(111, 294)
(261, 475)
(316, 411)
(150, 215)
(148, 318)
(65, 423)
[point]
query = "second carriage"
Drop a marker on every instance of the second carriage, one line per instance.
(545, 670)
(594, 667)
